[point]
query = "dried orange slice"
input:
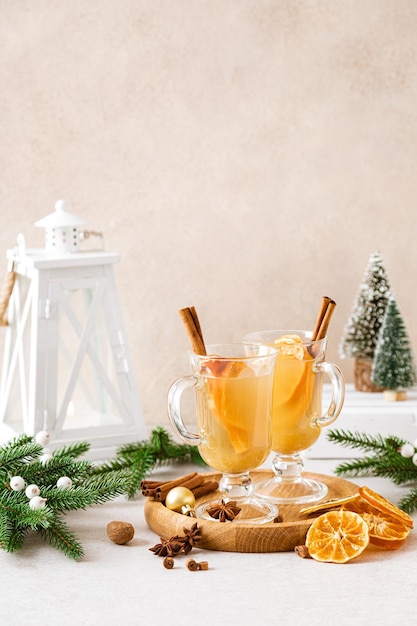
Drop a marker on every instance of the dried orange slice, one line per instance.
(329, 504)
(385, 531)
(337, 537)
(384, 505)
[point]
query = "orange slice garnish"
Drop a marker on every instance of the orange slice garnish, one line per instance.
(337, 537)
(225, 411)
(290, 346)
(292, 368)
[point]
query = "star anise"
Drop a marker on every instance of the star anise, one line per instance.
(179, 543)
(190, 538)
(168, 547)
(224, 511)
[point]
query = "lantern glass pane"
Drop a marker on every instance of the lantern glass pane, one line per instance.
(87, 380)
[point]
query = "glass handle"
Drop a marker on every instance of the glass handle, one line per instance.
(338, 392)
(174, 409)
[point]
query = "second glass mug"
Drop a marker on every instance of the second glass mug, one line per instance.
(297, 415)
(233, 397)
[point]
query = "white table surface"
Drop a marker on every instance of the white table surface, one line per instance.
(128, 584)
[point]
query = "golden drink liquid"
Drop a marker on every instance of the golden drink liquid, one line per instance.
(297, 398)
(234, 414)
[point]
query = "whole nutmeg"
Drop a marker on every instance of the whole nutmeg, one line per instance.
(120, 532)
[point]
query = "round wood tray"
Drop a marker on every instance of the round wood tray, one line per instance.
(230, 537)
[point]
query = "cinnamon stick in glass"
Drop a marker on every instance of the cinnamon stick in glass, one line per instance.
(323, 318)
(326, 320)
(192, 326)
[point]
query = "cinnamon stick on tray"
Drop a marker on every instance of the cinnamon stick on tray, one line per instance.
(325, 313)
(207, 487)
(193, 481)
(162, 491)
(192, 326)
(153, 486)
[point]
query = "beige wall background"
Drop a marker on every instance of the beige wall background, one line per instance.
(243, 156)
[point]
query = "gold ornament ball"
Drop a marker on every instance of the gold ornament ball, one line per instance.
(180, 500)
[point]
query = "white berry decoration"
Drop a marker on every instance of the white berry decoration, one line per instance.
(407, 450)
(37, 503)
(32, 491)
(42, 437)
(44, 458)
(414, 459)
(17, 483)
(64, 482)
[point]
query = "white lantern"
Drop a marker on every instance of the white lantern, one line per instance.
(66, 364)
(61, 230)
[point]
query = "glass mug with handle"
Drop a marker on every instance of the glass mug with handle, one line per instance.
(297, 414)
(233, 398)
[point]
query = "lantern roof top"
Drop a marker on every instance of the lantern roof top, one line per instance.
(60, 217)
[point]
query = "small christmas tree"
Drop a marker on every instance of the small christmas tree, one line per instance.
(393, 367)
(362, 330)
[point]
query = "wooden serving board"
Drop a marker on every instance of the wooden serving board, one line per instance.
(230, 537)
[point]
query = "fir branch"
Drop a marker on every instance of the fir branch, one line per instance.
(11, 538)
(33, 519)
(161, 447)
(112, 465)
(11, 498)
(91, 485)
(12, 457)
(399, 470)
(56, 467)
(59, 536)
(161, 441)
(141, 467)
(16, 442)
(364, 441)
(69, 499)
(133, 467)
(95, 491)
(141, 458)
(20, 457)
(409, 502)
(109, 486)
(385, 462)
(21, 514)
(72, 451)
(356, 468)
